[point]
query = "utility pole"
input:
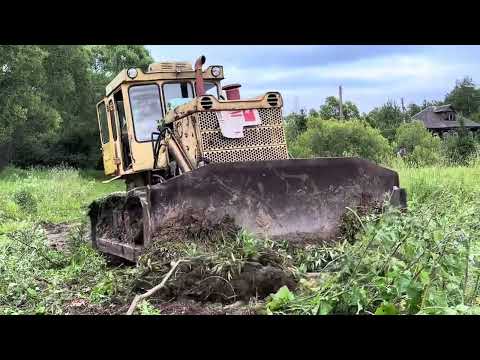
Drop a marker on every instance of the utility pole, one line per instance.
(340, 101)
(404, 113)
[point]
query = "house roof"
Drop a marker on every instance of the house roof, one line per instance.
(432, 118)
(443, 108)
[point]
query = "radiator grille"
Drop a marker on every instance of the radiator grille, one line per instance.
(256, 154)
(254, 136)
(263, 142)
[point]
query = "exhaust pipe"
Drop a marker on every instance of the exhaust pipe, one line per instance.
(199, 88)
(233, 92)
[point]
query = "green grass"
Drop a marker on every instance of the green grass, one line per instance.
(54, 195)
(37, 279)
(420, 181)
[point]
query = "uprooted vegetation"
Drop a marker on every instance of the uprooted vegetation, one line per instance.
(222, 266)
(221, 263)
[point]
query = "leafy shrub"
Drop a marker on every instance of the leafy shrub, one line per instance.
(26, 201)
(341, 138)
(295, 124)
(422, 149)
(279, 299)
(386, 118)
(459, 148)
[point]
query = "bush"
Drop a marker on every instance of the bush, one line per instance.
(341, 138)
(26, 201)
(459, 148)
(422, 149)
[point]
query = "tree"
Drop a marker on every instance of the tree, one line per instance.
(25, 117)
(413, 109)
(464, 97)
(295, 125)
(331, 109)
(111, 59)
(427, 103)
(69, 90)
(421, 147)
(341, 138)
(387, 119)
(48, 96)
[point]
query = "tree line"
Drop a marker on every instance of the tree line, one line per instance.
(378, 134)
(465, 98)
(48, 97)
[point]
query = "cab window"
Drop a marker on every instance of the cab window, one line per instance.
(112, 120)
(211, 88)
(103, 122)
(181, 90)
(146, 110)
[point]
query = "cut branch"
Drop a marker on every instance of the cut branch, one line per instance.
(153, 290)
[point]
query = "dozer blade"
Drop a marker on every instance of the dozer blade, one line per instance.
(296, 200)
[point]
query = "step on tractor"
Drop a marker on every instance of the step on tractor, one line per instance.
(188, 147)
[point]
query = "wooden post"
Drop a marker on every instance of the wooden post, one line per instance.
(340, 101)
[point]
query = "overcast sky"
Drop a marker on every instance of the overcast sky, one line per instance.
(306, 75)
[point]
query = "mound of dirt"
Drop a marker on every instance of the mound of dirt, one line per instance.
(220, 266)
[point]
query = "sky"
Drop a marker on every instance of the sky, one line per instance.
(305, 75)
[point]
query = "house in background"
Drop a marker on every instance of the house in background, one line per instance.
(444, 118)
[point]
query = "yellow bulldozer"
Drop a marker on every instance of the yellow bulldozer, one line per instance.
(188, 147)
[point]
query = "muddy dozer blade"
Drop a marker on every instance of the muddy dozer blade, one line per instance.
(296, 200)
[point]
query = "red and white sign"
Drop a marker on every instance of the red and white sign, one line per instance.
(232, 122)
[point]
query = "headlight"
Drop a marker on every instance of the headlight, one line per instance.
(216, 71)
(132, 73)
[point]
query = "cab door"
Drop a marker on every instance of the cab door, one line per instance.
(108, 146)
(115, 138)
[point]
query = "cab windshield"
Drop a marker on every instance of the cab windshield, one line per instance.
(146, 110)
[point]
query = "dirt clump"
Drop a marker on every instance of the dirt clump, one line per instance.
(221, 264)
(59, 235)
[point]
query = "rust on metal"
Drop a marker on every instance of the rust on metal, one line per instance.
(199, 86)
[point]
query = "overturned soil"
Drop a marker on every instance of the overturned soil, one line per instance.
(208, 282)
(57, 235)
(218, 267)
(177, 307)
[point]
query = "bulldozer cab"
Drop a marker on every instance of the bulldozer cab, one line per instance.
(135, 103)
(186, 101)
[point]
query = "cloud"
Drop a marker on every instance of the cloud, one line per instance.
(306, 75)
